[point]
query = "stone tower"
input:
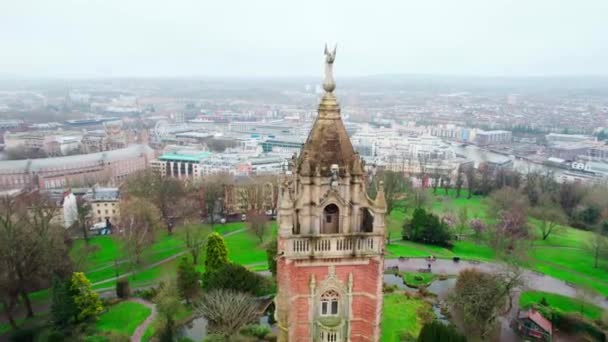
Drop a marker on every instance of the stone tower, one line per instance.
(330, 259)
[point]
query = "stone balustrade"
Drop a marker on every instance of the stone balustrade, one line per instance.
(334, 245)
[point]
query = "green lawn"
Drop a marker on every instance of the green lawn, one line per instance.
(123, 318)
(562, 303)
(400, 315)
(416, 279)
(562, 255)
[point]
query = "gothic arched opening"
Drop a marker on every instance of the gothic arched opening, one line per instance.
(331, 220)
(367, 221)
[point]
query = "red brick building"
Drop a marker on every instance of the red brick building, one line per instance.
(331, 240)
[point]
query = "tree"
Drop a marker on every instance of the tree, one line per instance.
(479, 298)
(459, 181)
(217, 252)
(168, 305)
(463, 218)
(598, 247)
(32, 247)
(478, 227)
(165, 193)
(87, 303)
(63, 308)
(437, 331)
(469, 172)
(418, 198)
(187, 280)
(195, 238)
(570, 196)
(271, 255)
(394, 186)
(549, 215)
(257, 223)
(235, 277)
(138, 226)
(510, 229)
(447, 181)
(426, 227)
(211, 192)
(83, 214)
(227, 311)
(505, 199)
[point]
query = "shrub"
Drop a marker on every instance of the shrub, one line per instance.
(426, 227)
(437, 331)
(122, 288)
(24, 334)
(55, 336)
(215, 338)
(543, 302)
(235, 277)
(256, 330)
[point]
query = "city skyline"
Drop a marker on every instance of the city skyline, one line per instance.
(272, 39)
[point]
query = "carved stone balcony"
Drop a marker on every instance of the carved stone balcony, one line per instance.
(334, 245)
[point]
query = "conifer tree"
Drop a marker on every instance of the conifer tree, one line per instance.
(63, 310)
(87, 303)
(217, 252)
(187, 280)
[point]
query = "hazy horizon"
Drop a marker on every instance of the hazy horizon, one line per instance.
(273, 39)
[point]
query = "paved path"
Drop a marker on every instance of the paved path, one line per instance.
(532, 280)
(141, 329)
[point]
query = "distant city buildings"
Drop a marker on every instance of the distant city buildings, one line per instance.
(110, 167)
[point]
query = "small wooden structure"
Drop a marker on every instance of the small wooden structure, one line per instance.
(532, 325)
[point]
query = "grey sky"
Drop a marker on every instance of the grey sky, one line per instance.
(117, 38)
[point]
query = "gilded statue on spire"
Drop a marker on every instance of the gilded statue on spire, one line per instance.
(329, 84)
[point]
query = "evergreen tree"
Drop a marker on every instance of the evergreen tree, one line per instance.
(187, 280)
(87, 303)
(437, 331)
(63, 310)
(217, 252)
(271, 254)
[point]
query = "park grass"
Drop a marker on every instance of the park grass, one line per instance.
(418, 279)
(463, 249)
(400, 316)
(123, 317)
(561, 303)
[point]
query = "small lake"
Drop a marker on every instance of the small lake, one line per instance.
(197, 328)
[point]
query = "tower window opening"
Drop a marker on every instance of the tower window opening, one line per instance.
(367, 221)
(329, 303)
(330, 224)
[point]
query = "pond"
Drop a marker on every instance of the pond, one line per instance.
(438, 287)
(197, 328)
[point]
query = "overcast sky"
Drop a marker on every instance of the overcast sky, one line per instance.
(256, 38)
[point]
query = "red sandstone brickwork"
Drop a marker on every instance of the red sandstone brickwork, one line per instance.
(294, 278)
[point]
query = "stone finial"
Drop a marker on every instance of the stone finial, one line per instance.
(356, 169)
(380, 201)
(286, 201)
(305, 169)
(330, 56)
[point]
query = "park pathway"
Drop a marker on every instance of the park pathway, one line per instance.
(532, 280)
(141, 329)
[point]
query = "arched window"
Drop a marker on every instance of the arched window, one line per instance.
(367, 221)
(330, 303)
(331, 220)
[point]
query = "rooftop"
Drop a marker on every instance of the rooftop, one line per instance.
(192, 156)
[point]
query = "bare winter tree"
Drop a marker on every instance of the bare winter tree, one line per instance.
(138, 224)
(227, 311)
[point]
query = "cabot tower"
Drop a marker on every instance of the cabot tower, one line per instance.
(331, 237)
